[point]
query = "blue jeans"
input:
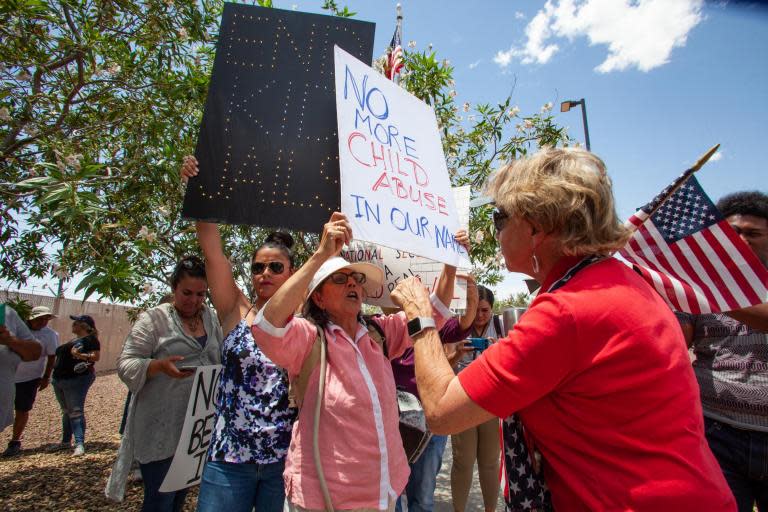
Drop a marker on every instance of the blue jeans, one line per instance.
(743, 457)
(70, 394)
(420, 489)
(232, 487)
(153, 474)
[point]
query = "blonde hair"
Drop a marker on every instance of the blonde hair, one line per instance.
(565, 192)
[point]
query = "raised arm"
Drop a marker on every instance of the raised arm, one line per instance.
(290, 295)
(444, 287)
(225, 294)
(466, 320)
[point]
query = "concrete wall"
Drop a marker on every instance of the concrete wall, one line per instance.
(111, 321)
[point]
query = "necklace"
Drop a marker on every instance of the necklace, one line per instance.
(191, 323)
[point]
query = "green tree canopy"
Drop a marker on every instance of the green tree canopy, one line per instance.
(99, 101)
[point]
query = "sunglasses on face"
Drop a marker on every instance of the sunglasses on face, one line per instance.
(499, 219)
(275, 267)
(342, 278)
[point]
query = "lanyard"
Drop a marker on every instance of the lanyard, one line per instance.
(573, 270)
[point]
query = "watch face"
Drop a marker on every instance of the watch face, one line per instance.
(414, 326)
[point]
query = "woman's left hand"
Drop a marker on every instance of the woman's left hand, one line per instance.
(78, 355)
(462, 237)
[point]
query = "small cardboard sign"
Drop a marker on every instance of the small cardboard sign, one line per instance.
(395, 187)
(192, 450)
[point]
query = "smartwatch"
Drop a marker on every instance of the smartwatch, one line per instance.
(420, 323)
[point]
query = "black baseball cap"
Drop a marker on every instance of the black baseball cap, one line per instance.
(86, 319)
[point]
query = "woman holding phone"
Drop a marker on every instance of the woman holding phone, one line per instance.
(161, 352)
(253, 423)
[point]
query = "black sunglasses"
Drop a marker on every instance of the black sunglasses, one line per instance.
(499, 219)
(275, 267)
(342, 278)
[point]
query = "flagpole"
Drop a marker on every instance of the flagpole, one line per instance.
(399, 28)
(680, 181)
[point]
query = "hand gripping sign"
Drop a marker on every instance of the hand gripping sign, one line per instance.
(395, 188)
(192, 449)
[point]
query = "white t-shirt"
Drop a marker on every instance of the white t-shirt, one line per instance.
(34, 369)
(9, 360)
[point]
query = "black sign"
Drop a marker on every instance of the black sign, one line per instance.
(268, 148)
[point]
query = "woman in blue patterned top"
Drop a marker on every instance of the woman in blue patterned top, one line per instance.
(252, 429)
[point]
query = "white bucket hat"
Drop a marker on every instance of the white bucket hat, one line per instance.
(374, 276)
(39, 311)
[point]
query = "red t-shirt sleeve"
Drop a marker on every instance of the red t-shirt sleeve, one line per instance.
(526, 365)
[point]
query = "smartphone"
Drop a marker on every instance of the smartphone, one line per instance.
(2, 314)
(187, 368)
(479, 344)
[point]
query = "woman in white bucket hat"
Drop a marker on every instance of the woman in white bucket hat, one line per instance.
(359, 462)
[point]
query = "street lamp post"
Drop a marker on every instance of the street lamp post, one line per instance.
(568, 105)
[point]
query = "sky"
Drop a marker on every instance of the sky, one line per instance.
(663, 80)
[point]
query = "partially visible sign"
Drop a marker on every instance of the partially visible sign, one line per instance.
(189, 459)
(395, 187)
(399, 265)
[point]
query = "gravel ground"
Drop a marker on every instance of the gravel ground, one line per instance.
(39, 479)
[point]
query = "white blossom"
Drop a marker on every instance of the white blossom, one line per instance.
(514, 111)
(479, 237)
(411, 44)
(453, 93)
(163, 210)
(147, 235)
(5, 114)
(147, 288)
(429, 47)
(59, 271)
(499, 258)
(519, 127)
(451, 83)
(73, 161)
(446, 63)
(169, 3)
(546, 107)
(466, 106)
(471, 118)
(113, 69)
(182, 33)
(528, 124)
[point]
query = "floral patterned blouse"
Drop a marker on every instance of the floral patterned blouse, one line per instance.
(253, 419)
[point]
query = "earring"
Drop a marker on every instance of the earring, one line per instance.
(535, 262)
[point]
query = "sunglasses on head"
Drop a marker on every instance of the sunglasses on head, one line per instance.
(499, 219)
(275, 267)
(342, 278)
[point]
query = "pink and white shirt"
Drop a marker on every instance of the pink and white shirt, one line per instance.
(360, 447)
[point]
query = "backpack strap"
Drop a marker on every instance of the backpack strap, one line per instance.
(497, 326)
(377, 334)
(297, 387)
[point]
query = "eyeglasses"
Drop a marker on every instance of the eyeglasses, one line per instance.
(342, 278)
(275, 267)
(499, 219)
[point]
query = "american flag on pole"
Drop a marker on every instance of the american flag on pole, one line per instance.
(689, 253)
(395, 54)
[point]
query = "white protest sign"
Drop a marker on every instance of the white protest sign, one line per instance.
(192, 450)
(395, 187)
(399, 265)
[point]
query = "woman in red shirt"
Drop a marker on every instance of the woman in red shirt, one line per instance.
(596, 371)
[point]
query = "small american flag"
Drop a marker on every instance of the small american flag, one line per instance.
(689, 253)
(395, 56)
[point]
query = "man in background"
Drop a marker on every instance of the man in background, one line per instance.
(16, 344)
(732, 369)
(33, 376)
